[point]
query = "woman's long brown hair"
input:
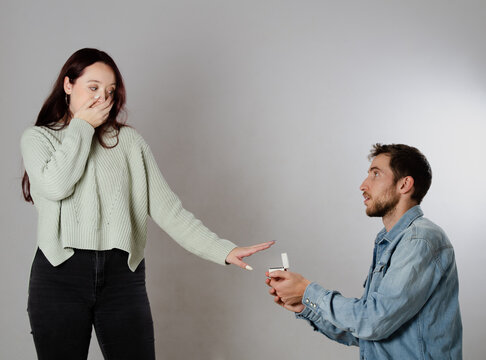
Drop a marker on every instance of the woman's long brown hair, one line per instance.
(56, 108)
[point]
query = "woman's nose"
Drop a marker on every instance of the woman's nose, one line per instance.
(101, 96)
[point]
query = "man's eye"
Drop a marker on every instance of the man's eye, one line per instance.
(375, 174)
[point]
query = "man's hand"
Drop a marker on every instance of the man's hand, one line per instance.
(288, 289)
(298, 307)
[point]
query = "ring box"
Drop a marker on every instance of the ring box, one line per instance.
(285, 264)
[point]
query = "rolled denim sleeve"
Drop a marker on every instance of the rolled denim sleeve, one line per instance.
(395, 295)
(313, 315)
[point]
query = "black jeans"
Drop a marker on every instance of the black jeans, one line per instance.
(92, 288)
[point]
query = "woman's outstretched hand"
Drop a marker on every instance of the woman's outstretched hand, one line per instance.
(235, 256)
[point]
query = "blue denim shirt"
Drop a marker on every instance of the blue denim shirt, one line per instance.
(410, 307)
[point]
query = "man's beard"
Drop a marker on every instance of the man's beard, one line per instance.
(383, 206)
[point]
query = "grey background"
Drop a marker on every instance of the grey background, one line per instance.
(261, 115)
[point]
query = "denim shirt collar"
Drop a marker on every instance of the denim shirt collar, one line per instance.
(404, 222)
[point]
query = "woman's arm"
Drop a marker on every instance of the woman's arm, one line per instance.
(54, 171)
(166, 210)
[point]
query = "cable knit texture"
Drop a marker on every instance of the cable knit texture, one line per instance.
(89, 197)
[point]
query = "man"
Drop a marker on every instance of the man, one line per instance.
(410, 308)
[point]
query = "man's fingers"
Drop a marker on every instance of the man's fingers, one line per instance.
(269, 282)
(279, 274)
(285, 300)
(278, 301)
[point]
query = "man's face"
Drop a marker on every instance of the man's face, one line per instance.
(379, 188)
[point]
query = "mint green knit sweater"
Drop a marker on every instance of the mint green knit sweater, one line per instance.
(89, 197)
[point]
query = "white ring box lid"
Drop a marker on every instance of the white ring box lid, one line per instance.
(285, 261)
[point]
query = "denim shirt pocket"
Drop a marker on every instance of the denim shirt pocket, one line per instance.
(380, 270)
(377, 276)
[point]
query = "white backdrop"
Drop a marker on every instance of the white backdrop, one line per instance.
(261, 115)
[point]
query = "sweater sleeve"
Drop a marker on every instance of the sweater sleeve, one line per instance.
(165, 208)
(55, 170)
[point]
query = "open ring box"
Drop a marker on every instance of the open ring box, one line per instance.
(285, 264)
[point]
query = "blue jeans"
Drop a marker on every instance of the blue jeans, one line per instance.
(92, 288)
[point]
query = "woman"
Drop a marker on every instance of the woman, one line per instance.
(93, 195)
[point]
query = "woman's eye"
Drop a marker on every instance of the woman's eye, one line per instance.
(93, 88)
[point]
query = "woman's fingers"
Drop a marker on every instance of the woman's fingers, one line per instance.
(250, 250)
(238, 253)
(94, 111)
(108, 103)
(89, 103)
(236, 261)
(106, 110)
(264, 245)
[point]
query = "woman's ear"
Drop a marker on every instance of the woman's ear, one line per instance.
(68, 87)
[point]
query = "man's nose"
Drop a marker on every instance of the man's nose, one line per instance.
(363, 186)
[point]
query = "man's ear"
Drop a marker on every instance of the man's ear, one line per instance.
(68, 87)
(405, 185)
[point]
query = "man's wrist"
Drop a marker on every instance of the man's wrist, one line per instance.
(303, 287)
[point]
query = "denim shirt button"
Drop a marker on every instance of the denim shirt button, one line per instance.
(307, 300)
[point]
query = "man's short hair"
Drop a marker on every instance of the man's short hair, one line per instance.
(407, 161)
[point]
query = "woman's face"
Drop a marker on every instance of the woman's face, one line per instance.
(97, 79)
